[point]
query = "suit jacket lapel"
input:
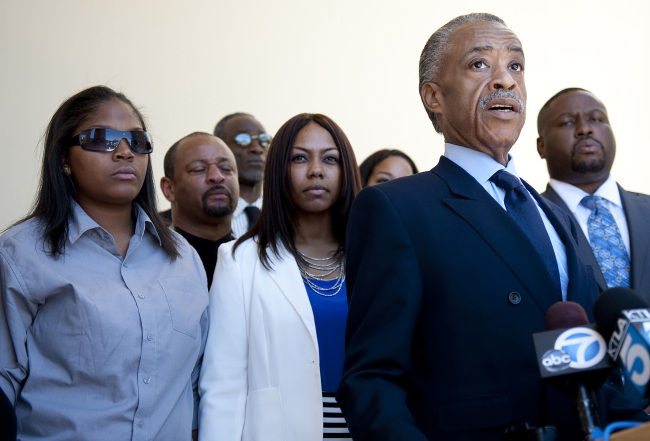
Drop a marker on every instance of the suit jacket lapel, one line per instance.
(470, 201)
(287, 277)
(578, 290)
(637, 213)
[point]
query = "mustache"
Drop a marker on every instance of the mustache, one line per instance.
(502, 94)
(216, 187)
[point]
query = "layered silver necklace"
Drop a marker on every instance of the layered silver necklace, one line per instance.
(327, 266)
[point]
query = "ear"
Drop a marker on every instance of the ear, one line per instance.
(431, 96)
(167, 187)
(541, 148)
(66, 164)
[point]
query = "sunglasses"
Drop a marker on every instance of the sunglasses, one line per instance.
(107, 140)
(244, 139)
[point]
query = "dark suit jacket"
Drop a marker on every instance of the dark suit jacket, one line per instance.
(445, 292)
(637, 213)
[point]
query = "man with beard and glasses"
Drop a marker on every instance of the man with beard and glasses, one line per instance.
(201, 183)
(249, 142)
(577, 141)
(459, 265)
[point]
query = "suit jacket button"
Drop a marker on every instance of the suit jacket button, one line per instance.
(514, 298)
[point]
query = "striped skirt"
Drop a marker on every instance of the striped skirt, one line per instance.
(334, 427)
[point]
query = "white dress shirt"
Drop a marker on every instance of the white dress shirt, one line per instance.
(572, 195)
(239, 220)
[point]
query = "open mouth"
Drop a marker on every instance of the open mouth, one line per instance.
(502, 108)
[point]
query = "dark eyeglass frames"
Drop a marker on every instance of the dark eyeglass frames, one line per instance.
(107, 140)
(244, 139)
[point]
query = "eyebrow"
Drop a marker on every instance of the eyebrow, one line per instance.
(219, 160)
(305, 149)
(100, 126)
(573, 112)
(512, 48)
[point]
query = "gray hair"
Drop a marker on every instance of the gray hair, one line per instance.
(433, 54)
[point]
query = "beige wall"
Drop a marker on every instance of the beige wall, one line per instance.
(189, 63)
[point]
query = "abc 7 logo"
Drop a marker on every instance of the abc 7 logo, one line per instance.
(577, 348)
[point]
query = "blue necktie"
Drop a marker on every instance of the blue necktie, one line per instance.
(522, 208)
(607, 243)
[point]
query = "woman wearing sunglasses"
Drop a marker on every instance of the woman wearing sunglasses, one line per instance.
(275, 349)
(103, 308)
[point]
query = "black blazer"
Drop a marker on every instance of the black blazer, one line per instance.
(637, 213)
(445, 292)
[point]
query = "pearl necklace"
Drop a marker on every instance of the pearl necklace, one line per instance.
(328, 265)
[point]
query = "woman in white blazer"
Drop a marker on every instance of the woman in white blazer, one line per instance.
(278, 303)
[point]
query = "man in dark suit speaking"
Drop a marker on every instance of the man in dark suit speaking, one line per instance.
(577, 141)
(446, 287)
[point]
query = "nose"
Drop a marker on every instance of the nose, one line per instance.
(214, 175)
(502, 78)
(583, 127)
(256, 147)
(123, 151)
(315, 168)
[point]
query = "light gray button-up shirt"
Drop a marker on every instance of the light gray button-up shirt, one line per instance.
(97, 347)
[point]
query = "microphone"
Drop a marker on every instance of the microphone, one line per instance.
(573, 356)
(624, 319)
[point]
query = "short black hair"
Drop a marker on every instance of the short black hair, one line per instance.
(219, 129)
(553, 98)
(170, 156)
(368, 166)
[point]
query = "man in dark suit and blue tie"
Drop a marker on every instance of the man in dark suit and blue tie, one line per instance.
(577, 141)
(445, 286)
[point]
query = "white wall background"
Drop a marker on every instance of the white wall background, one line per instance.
(189, 63)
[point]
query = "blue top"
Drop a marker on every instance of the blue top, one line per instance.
(94, 346)
(330, 314)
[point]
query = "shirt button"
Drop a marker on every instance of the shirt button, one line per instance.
(147, 380)
(149, 337)
(140, 423)
(141, 296)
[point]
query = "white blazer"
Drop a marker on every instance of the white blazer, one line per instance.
(260, 378)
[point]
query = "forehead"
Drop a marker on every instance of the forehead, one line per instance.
(482, 36)
(111, 113)
(574, 102)
(203, 148)
(242, 124)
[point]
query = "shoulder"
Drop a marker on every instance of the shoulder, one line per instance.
(634, 197)
(26, 237)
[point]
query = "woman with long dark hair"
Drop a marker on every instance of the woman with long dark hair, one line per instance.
(278, 306)
(103, 308)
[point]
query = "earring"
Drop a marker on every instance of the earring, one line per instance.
(66, 169)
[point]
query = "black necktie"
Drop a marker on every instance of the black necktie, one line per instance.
(252, 213)
(521, 206)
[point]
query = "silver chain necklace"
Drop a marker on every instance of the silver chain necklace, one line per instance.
(328, 265)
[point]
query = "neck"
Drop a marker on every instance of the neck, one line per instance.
(250, 193)
(588, 186)
(209, 228)
(116, 220)
(314, 235)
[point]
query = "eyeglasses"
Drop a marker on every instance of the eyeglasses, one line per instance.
(107, 140)
(244, 139)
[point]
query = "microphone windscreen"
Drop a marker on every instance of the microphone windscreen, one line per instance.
(610, 303)
(565, 315)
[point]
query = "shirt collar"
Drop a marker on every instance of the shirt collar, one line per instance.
(80, 223)
(479, 165)
(572, 195)
(242, 203)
